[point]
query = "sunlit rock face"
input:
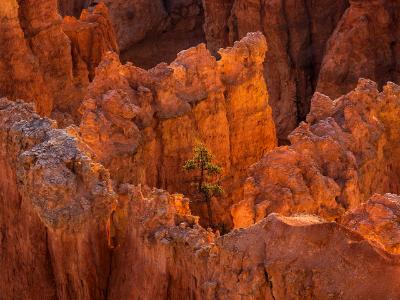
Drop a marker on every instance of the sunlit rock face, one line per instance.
(142, 125)
(297, 34)
(323, 46)
(344, 154)
(41, 64)
(377, 220)
(23, 59)
(94, 203)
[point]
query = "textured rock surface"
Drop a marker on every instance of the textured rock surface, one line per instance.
(20, 74)
(149, 32)
(364, 44)
(296, 33)
(323, 45)
(55, 205)
(377, 220)
(176, 25)
(60, 201)
(278, 258)
(133, 20)
(77, 220)
(310, 259)
(37, 63)
(336, 161)
(23, 243)
(91, 36)
(142, 125)
(72, 8)
(42, 27)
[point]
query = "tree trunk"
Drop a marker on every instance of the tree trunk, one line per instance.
(210, 220)
(201, 179)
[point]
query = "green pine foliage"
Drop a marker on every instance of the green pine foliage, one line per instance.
(202, 162)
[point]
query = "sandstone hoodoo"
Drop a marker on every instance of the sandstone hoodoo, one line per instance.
(142, 125)
(187, 149)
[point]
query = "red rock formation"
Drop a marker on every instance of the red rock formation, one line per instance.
(91, 36)
(55, 204)
(310, 259)
(166, 28)
(296, 35)
(278, 258)
(133, 20)
(61, 199)
(364, 44)
(42, 28)
(149, 32)
(377, 220)
(130, 116)
(72, 7)
(24, 257)
(36, 62)
(338, 160)
(20, 76)
(216, 25)
(78, 222)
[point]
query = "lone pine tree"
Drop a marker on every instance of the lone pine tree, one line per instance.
(202, 162)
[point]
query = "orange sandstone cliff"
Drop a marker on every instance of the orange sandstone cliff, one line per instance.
(142, 125)
(323, 46)
(345, 153)
(38, 61)
(297, 33)
(94, 203)
(77, 237)
(149, 32)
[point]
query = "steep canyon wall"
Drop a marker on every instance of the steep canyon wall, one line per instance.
(322, 45)
(41, 64)
(92, 204)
